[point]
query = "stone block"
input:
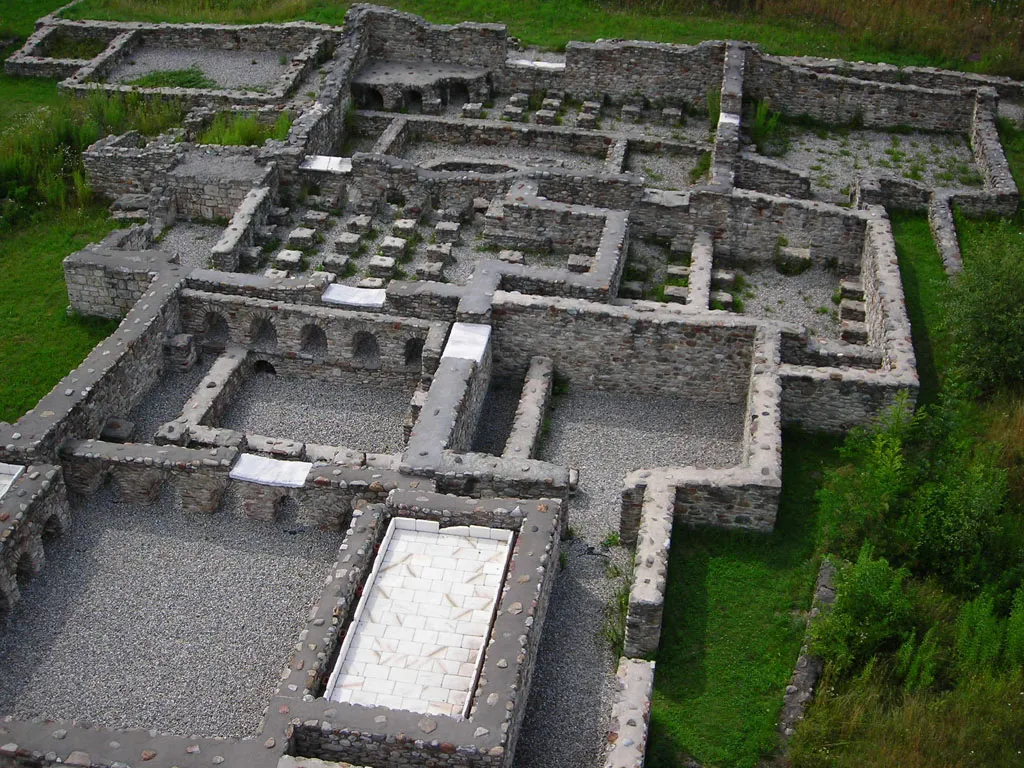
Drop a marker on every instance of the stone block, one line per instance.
(519, 99)
(721, 300)
(852, 289)
(393, 247)
(723, 279)
(631, 113)
(511, 257)
(671, 116)
(481, 204)
(852, 310)
(546, 117)
(288, 259)
(555, 105)
(404, 227)
(678, 271)
(370, 282)
(676, 293)
(580, 262)
(432, 106)
(278, 215)
(587, 120)
(315, 219)
(631, 289)
(432, 270)
(347, 243)
(276, 273)
(360, 224)
(336, 264)
(853, 332)
(118, 430)
(473, 109)
(449, 214)
(249, 258)
(513, 113)
(302, 237)
(448, 231)
(181, 351)
(591, 107)
(792, 261)
(381, 266)
(441, 252)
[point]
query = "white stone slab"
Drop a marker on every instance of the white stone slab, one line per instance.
(8, 474)
(348, 296)
(265, 471)
(327, 163)
(467, 341)
(551, 66)
(417, 637)
(728, 118)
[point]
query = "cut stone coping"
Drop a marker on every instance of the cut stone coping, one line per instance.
(728, 118)
(467, 341)
(347, 296)
(327, 164)
(381, 623)
(8, 474)
(551, 66)
(259, 469)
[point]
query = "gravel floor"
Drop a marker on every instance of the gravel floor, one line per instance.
(833, 159)
(605, 435)
(349, 411)
(147, 617)
(166, 399)
(804, 299)
(663, 171)
(230, 69)
(191, 242)
(531, 157)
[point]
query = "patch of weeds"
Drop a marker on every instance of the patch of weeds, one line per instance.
(701, 168)
(193, 77)
(652, 174)
(837, 296)
(765, 129)
(244, 130)
(563, 559)
(823, 310)
(613, 628)
(62, 46)
(611, 539)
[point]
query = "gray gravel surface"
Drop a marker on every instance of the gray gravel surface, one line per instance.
(230, 69)
(804, 299)
(148, 617)
(525, 157)
(349, 411)
(605, 435)
(191, 242)
(166, 399)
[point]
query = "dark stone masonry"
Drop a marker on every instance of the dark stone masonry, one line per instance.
(450, 220)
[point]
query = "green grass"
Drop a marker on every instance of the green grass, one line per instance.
(553, 24)
(40, 343)
(23, 97)
(67, 47)
(730, 635)
(924, 285)
(193, 77)
(18, 17)
(245, 130)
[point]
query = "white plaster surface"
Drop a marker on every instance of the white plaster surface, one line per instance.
(467, 341)
(348, 296)
(418, 635)
(327, 163)
(8, 474)
(267, 471)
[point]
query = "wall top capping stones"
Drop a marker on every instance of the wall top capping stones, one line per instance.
(467, 341)
(348, 296)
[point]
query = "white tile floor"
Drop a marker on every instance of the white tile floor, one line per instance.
(420, 630)
(8, 474)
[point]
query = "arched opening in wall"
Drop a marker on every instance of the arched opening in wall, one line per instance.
(215, 331)
(394, 197)
(414, 352)
(313, 342)
(24, 571)
(413, 102)
(287, 514)
(262, 335)
(52, 528)
(458, 94)
(365, 350)
(370, 98)
(262, 366)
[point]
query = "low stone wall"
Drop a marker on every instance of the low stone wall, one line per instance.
(617, 348)
(127, 164)
(631, 714)
(250, 215)
(289, 290)
(106, 282)
(771, 176)
(33, 508)
(940, 220)
(622, 71)
(531, 410)
(206, 194)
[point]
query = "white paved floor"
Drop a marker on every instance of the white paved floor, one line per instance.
(419, 632)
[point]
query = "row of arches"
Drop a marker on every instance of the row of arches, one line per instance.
(411, 99)
(28, 562)
(365, 348)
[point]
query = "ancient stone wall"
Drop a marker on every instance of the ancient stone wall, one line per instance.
(394, 35)
(127, 164)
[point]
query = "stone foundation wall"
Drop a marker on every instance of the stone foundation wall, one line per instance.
(392, 35)
(532, 408)
(108, 283)
(250, 215)
(126, 164)
(211, 197)
(288, 290)
(771, 176)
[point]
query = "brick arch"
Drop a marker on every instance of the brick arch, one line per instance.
(216, 334)
(262, 333)
(365, 350)
(313, 341)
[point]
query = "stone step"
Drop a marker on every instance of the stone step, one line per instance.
(381, 266)
(792, 261)
(336, 264)
(678, 272)
(723, 279)
(852, 288)
(676, 293)
(852, 310)
(854, 332)
(722, 299)
(580, 262)
(631, 289)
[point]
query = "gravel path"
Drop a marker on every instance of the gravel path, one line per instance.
(166, 399)
(191, 242)
(605, 435)
(146, 617)
(230, 69)
(804, 299)
(349, 411)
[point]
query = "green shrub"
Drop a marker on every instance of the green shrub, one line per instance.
(193, 77)
(871, 613)
(979, 636)
(1015, 632)
(244, 130)
(765, 128)
(701, 168)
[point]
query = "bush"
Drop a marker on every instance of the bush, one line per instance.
(765, 128)
(871, 613)
(985, 311)
(245, 130)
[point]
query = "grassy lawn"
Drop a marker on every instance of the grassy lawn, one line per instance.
(730, 635)
(40, 343)
(546, 23)
(924, 284)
